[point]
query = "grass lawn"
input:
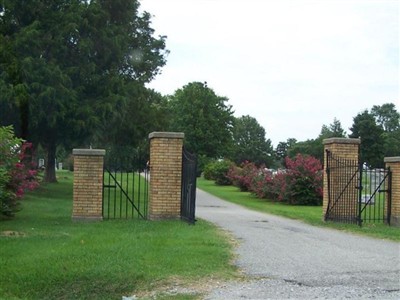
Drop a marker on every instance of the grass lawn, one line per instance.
(308, 214)
(44, 255)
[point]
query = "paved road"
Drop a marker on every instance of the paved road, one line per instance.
(287, 259)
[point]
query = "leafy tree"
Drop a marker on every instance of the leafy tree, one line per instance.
(137, 114)
(66, 64)
(314, 147)
(386, 116)
(371, 135)
(282, 148)
(204, 117)
(250, 143)
(391, 143)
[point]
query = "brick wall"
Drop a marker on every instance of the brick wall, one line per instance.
(394, 164)
(88, 184)
(165, 175)
(346, 149)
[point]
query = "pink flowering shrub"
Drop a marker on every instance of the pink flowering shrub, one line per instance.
(243, 176)
(304, 180)
(299, 184)
(23, 175)
(17, 173)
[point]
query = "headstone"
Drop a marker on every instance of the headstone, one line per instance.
(41, 163)
(366, 199)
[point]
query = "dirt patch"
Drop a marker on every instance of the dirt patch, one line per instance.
(178, 286)
(10, 233)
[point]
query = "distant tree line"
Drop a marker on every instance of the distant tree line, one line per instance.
(378, 129)
(213, 132)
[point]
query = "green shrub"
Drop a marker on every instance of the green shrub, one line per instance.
(218, 171)
(202, 162)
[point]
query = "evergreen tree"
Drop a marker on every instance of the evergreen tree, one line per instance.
(333, 130)
(65, 65)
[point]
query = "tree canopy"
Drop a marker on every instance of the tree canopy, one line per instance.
(73, 73)
(204, 117)
(386, 116)
(314, 147)
(250, 143)
(66, 66)
(333, 130)
(365, 128)
(379, 130)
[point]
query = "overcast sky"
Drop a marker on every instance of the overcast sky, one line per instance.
(292, 65)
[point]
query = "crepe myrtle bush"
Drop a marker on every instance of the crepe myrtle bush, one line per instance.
(304, 180)
(299, 184)
(243, 176)
(17, 173)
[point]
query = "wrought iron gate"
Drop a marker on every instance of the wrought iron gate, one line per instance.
(125, 188)
(188, 192)
(375, 195)
(357, 194)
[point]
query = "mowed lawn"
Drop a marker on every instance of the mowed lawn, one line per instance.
(45, 255)
(309, 214)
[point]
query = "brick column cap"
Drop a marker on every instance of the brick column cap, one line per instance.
(89, 152)
(341, 141)
(392, 159)
(169, 135)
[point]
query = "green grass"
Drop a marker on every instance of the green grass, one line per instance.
(44, 255)
(127, 204)
(309, 214)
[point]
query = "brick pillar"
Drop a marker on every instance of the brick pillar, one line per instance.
(165, 175)
(88, 184)
(348, 149)
(394, 164)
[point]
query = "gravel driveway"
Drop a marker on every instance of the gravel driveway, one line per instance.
(287, 259)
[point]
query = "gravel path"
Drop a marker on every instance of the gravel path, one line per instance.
(287, 259)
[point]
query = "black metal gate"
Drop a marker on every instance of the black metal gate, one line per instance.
(125, 188)
(375, 195)
(357, 194)
(188, 194)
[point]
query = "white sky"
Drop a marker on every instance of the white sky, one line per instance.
(292, 65)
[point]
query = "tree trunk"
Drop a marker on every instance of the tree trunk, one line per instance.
(24, 118)
(50, 172)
